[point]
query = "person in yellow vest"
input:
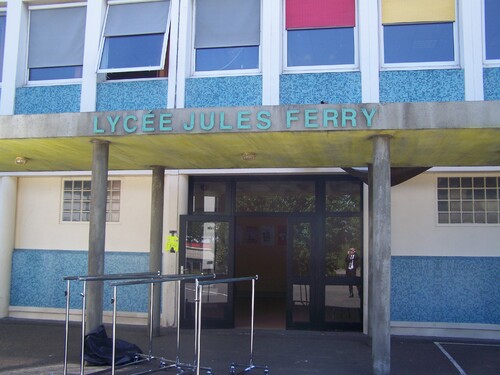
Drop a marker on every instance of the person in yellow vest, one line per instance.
(172, 244)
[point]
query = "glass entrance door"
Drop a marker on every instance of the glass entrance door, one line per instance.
(309, 222)
(205, 247)
(301, 292)
(343, 282)
(325, 289)
(342, 257)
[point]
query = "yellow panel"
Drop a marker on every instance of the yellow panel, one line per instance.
(412, 11)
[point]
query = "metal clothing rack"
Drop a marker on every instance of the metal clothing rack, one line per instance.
(165, 364)
(85, 279)
(199, 293)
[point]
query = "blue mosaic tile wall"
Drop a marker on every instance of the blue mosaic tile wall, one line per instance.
(423, 289)
(132, 95)
(332, 88)
(491, 82)
(47, 99)
(442, 85)
(37, 279)
(445, 289)
(223, 92)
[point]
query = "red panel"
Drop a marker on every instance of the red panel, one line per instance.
(309, 14)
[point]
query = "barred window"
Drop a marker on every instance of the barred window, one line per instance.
(76, 200)
(468, 200)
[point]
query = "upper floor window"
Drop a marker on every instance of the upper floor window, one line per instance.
(419, 31)
(3, 19)
(227, 35)
(135, 38)
(56, 42)
(320, 33)
(492, 29)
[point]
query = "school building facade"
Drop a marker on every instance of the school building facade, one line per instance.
(271, 136)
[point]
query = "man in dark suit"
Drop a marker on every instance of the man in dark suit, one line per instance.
(352, 264)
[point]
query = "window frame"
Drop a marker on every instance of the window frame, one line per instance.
(490, 63)
(223, 73)
(321, 68)
(461, 200)
(46, 82)
(163, 54)
(109, 200)
(3, 13)
(455, 64)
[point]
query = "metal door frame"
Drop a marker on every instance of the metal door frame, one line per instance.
(313, 279)
(228, 320)
(318, 278)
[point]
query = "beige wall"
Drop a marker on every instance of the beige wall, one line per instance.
(39, 225)
(415, 230)
(8, 189)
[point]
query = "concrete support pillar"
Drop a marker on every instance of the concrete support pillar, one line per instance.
(156, 239)
(371, 295)
(8, 202)
(381, 261)
(97, 232)
(176, 203)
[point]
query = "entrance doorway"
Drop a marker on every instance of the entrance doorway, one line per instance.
(260, 249)
(294, 233)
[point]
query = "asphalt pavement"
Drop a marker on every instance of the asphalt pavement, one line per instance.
(30, 347)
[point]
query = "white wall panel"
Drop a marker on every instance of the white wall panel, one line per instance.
(39, 223)
(415, 231)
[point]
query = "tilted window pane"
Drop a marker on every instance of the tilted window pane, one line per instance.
(134, 37)
(132, 51)
(137, 18)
